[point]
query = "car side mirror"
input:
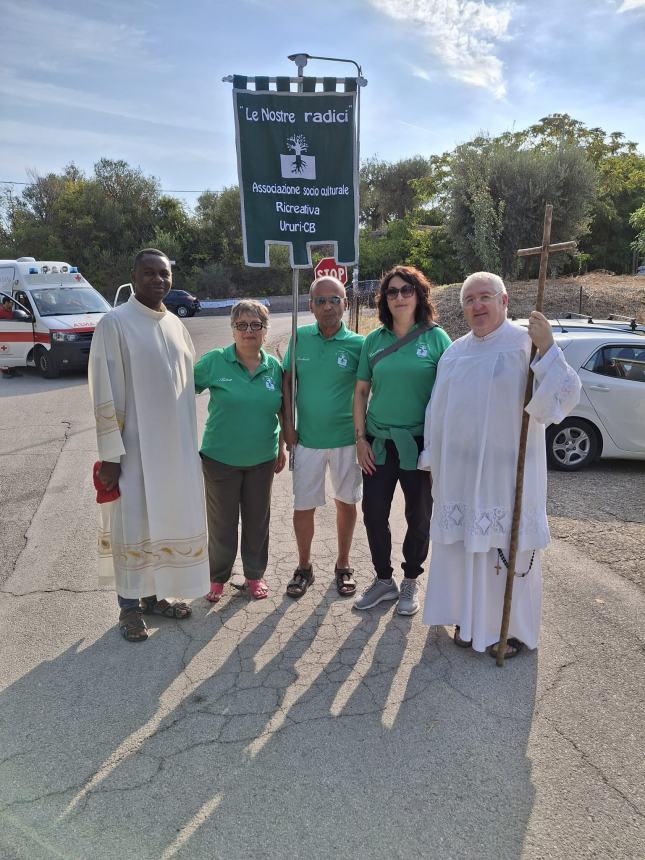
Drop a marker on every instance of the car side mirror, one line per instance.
(22, 316)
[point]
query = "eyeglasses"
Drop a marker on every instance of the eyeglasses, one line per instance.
(322, 300)
(484, 299)
(406, 291)
(245, 326)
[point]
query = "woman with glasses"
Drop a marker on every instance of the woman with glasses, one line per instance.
(242, 448)
(397, 367)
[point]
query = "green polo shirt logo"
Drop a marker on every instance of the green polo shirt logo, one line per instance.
(326, 374)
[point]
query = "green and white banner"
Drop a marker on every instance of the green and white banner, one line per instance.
(298, 173)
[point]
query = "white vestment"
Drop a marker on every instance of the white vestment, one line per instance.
(472, 432)
(152, 539)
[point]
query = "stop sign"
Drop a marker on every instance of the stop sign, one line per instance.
(328, 267)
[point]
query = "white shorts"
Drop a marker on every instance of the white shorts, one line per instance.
(309, 467)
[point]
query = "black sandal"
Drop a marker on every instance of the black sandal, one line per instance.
(345, 582)
(300, 582)
(462, 643)
(132, 626)
(178, 610)
(513, 643)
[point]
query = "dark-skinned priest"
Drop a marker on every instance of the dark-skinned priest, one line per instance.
(471, 441)
(152, 540)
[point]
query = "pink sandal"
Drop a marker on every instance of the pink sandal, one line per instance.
(214, 595)
(257, 588)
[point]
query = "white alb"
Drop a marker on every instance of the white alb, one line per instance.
(152, 540)
(472, 431)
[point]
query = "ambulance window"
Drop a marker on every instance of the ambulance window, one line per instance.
(22, 298)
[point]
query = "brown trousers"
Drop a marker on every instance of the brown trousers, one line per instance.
(235, 493)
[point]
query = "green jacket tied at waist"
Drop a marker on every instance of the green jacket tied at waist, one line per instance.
(403, 439)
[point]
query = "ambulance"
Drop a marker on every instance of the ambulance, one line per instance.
(54, 313)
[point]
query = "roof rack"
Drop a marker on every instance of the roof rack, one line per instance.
(619, 318)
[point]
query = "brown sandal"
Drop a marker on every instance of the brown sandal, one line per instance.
(132, 626)
(512, 643)
(300, 582)
(152, 606)
(345, 582)
(462, 643)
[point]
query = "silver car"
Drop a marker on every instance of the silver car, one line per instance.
(609, 420)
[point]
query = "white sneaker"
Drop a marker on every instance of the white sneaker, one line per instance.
(409, 600)
(379, 590)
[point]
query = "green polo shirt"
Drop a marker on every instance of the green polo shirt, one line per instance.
(401, 382)
(242, 427)
(326, 374)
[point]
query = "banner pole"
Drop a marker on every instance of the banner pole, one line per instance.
(292, 369)
(300, 62)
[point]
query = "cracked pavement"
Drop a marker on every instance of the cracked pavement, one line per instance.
(281, 728)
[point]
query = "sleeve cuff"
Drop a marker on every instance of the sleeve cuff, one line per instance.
(541, 365)
(423, 462)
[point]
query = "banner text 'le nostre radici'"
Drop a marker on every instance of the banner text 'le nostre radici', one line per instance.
(298, 174)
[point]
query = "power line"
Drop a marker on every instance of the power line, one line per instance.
(163, 190)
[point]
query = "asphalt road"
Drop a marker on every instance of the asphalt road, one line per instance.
(284, 729)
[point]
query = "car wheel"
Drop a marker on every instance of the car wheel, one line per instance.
(182, 311)
(46, 364)
(572, 444)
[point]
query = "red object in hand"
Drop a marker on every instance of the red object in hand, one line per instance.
(103, 495)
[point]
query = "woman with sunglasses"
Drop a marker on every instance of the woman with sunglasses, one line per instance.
(397, 367)
(242, 448)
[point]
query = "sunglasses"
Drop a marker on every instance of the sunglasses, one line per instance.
(245, 326)
(406, 291)
(322, 300)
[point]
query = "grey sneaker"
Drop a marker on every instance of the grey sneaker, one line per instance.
(379, 590)
(409, 599)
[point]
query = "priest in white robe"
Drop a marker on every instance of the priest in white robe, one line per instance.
(152, 539)
(472, 432)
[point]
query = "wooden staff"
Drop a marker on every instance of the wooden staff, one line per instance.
(544, 250)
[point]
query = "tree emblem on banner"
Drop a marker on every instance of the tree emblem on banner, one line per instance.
(296, 164)
(298, 173)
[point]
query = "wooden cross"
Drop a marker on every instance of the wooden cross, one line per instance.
(498, 566)
(544, 250)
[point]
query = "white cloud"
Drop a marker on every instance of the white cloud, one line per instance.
(630, 5)
(420, 73)
(34, 32)
(461, 34)
(24, 140)
(47, 94)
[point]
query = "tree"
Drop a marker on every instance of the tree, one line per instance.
(621, 183)
(637, 221)
(389, 191)
(97, 222)
(497, 196)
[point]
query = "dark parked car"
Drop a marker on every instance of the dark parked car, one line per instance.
(182, 303)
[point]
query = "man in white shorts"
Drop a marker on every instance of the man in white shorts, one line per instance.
(327, 356)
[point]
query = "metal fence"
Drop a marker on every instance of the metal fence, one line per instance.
(362, 306)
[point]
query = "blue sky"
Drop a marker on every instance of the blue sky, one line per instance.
(142, 81)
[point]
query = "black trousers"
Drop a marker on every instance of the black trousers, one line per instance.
(378, 492)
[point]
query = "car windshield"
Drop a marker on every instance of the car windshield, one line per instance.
(65, 301)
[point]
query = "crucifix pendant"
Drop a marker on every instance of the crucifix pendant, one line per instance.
(498, 567)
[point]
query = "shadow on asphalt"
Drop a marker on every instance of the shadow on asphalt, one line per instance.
(308, 729)
(31, 382)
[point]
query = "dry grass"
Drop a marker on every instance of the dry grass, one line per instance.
(597, 293)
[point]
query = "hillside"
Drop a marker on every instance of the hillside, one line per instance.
(602, 294)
